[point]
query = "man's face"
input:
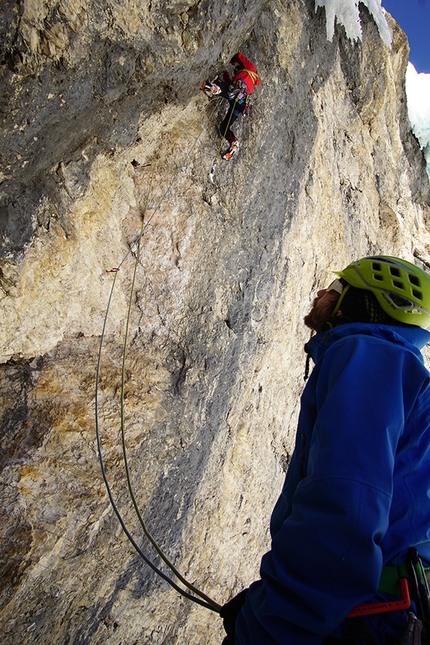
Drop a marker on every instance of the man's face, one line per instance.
(322, 309)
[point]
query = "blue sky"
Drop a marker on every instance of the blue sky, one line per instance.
(414, 18)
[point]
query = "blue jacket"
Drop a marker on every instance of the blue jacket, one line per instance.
(357, 491)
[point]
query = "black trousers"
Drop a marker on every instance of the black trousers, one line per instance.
(357, 632)
(234, 111)
(330, 640)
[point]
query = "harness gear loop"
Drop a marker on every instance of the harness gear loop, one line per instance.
(395, 581)
(371, 608)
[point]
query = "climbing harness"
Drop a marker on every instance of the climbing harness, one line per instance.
(420, 590)
(410, 583)
(196, 595)
(371, 608)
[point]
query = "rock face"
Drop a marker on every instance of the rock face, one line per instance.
(106, 148)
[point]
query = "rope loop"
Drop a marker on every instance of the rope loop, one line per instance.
(196, 595)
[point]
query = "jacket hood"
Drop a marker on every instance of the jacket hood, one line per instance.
(412, 337)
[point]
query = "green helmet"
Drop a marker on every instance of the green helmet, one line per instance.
(401, 288)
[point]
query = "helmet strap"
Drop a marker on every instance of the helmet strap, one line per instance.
(339, 302)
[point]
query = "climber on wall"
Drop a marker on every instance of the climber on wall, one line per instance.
(237, 91)
(355, 506)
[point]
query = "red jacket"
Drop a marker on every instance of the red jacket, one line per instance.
(247, 72)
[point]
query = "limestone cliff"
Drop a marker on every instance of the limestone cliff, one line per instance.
(103, 127)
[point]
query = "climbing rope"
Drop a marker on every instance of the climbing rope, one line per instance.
(196, 596)
(212, 171)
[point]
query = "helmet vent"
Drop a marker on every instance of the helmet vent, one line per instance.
(398, 284)
(400, 301)
(417, 294)
(414, 280)
(395, 272)
(379, 277)
(376, 266)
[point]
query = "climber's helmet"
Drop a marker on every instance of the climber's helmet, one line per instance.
(401, 288)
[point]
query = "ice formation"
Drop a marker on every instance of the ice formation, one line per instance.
(418, 95)
(346, 13)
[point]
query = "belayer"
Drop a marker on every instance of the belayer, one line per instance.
(237, 91)
(351, 529)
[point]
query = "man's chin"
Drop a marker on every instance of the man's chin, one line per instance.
(309, 322)
(312, 323)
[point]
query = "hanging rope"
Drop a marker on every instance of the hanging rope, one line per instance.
(199, 597)
(132, 496)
